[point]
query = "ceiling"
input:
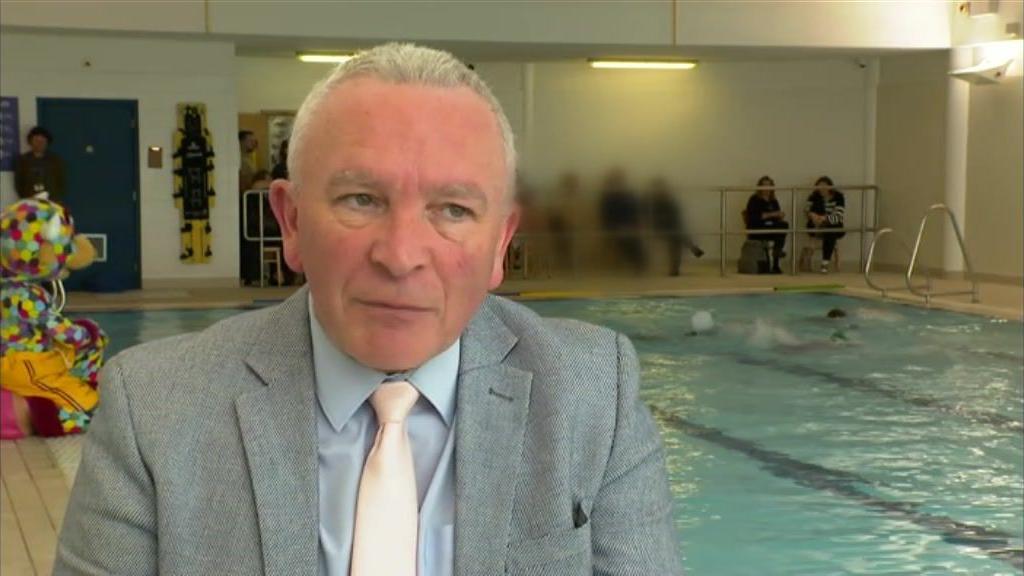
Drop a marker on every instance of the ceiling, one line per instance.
(284, 47)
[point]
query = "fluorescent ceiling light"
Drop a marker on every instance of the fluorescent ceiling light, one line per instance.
(324, 58)
(645, 64)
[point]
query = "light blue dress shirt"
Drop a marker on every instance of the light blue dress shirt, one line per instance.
(346, 427)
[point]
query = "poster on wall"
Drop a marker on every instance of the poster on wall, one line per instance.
(9, 141)
(193, 181)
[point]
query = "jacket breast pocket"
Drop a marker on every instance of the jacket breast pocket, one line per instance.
(562, 553)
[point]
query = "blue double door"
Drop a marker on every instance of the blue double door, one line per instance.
(99, 143)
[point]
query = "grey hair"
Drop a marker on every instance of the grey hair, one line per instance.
(400, 64)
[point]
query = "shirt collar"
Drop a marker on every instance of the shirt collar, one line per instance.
(343, 384)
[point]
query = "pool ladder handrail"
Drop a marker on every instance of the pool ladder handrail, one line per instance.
(929, 293)
(871, 258)
(262, 194)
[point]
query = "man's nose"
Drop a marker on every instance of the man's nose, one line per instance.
(401, 249)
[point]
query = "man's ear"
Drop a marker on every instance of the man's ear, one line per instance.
(284, 202)
(508, 230)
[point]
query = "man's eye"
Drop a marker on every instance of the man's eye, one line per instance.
(358, 200)
(456, 212)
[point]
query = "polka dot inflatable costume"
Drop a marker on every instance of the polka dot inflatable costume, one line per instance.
(47, 358)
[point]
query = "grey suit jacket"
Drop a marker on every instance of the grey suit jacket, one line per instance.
(202, 458)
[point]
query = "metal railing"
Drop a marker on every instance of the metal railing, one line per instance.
(261, 238)
(794, 231)
(929, 293)
(578, 237)
(866, 225)
(871, 258)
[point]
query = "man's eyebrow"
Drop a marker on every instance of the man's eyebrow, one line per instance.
(354, 177)
(462, 191)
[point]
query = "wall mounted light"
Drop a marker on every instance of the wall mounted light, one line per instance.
(324, 58)
(995, 61)
(644, 64)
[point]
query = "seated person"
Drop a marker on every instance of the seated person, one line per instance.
(764, 213)
(826, 208)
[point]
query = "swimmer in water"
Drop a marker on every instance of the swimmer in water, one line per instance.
(878, 314)
(840, 334)
(767, 335)
(836, 313)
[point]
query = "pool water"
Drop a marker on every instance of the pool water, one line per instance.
(889, 441)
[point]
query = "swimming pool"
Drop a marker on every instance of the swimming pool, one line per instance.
(886, 442)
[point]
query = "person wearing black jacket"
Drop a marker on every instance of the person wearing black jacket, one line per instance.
(621, 220)
(764, 213)
(826, 208)
(39, 169)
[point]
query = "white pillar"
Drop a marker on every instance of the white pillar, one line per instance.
(872, 75)
(957, 111)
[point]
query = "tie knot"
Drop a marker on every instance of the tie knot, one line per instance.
(392, 401)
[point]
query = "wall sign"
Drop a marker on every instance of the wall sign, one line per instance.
(9, 141)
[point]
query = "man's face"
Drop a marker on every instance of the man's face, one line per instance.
(38, 143)
(250, 143)
(402, 220)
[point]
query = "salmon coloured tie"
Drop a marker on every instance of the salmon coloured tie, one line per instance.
(384, 541)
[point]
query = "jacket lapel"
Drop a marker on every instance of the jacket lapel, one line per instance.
(491, 407)
(278, 427)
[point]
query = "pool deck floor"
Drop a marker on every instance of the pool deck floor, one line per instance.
(33, 496)
(36, 474)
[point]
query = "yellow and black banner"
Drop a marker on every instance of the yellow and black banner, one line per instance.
(193, 181)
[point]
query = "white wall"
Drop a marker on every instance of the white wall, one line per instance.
(609, 23)
(148, 16)
(911, 151)
(985, 26)
(282, 84)
(914, 161)
(995, 179)
(159, 74)
(723, 124)
(551, 21)
(843, 24)
(275, 83)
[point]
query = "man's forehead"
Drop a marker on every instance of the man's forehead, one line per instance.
(366, 177)
(367, 116)
(366, 95)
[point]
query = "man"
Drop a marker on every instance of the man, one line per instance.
(280, 170)
(39, 169)
(248, 250)
(668, 224)
(507, 443)
(247, 144)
